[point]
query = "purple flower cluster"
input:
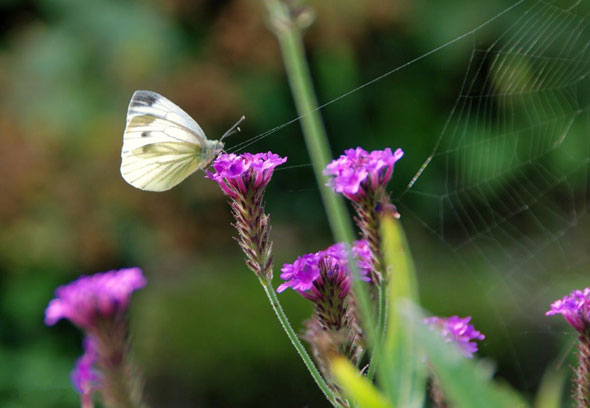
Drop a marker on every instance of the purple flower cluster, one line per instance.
(239, 174)
(243, 179)
(358, 171)
(89, 298)
(575, 308)
(301, 274)
(457, 330)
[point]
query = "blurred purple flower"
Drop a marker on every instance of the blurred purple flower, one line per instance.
(238, 174)
(102, 295)
(85, 377)
(575, 308)
(306, 270)
(457, 330)
(357, 171)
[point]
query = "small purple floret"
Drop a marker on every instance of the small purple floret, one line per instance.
(301, 274)
(102, 295)
(575, 308)
(457, 330)
(236, 174)
(357, 170)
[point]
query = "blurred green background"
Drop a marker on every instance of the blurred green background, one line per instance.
(203, 332)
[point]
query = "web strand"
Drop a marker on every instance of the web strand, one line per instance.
(241, 146)
(503, 176)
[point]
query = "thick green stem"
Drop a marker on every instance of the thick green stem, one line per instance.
(289, 36)
(276, 306)
(288, 32)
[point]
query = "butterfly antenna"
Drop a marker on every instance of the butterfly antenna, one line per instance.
(234, 129)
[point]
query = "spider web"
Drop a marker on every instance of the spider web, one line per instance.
(515, 154)
(515, 148)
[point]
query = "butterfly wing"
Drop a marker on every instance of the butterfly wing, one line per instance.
(153, 104)
(162, 144)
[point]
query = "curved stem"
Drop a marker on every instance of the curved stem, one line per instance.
(276, 306)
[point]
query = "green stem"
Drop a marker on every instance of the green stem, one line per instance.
(290, 41)
(276, 306)
(289, 35)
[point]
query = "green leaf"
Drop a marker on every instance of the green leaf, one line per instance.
(551, 390)
(465, 382)
(402, 373)
(356, 386)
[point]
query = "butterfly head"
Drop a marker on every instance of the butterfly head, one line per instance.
(217, 146)
(210, 152)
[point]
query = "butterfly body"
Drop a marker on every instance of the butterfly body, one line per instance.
(162, 144)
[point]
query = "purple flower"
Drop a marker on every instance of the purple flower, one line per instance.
(300, 274)
(357, 171)
(238, 174)
(89, 298)
(243, 179)
(575, 308)
(305, 272)
(85, 378)
(325, 279)
(458, 330)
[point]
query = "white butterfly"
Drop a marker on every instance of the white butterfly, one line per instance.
(162, 144)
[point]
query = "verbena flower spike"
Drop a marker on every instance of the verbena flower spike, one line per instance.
(324, 278)
(243, 179)
(98, 304)
(362, 178)
(575, 308)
